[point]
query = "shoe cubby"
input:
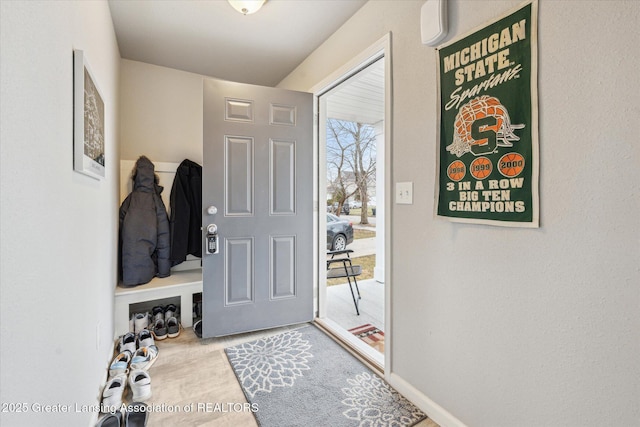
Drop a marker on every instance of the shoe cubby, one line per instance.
(147, 306)
(178, 289)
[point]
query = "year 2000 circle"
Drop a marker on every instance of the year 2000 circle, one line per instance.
(511, 164)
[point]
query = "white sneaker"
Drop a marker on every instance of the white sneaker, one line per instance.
(141, 321)
(157, 313)
(127, 343)
(170, 311)
(112, 393)
(140, 384)
(145, 339)
(120, 364)
(144, 358)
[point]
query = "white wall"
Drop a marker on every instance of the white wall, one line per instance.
(160, 113)
(518, 327)
(58, 228)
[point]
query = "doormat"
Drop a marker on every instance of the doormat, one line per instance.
(303, 378)
(370, 335)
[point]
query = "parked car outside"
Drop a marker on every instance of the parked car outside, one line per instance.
(356, 205)
(334, 208)
(339, 233)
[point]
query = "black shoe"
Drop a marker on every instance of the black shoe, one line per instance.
(110, 420)
(137, 415)
(197, 328)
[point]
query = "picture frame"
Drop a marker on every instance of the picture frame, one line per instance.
(88, 120)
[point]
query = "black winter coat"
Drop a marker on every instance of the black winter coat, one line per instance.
(144, 229)
(186, 212)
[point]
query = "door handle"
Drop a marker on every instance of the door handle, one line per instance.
(211, 245)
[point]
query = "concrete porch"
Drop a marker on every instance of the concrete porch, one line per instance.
(341, 310)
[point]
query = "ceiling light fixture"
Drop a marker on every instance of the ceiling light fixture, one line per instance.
(246, 7)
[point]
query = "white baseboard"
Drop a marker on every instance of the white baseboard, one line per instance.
(436, 412)
(95, 415)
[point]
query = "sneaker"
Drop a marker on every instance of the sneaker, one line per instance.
(110, 420)
(198, 309)
(140, 384)
(173, 327)
(127, 343)
(112, 393)
(159, 328)
(145, 339)
(144, 358)
(137, 415)
(170, 311)
(141, 321)
(120, 364)
(157, 313)
(197, 328)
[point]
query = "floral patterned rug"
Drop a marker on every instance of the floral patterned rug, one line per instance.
(303, 378)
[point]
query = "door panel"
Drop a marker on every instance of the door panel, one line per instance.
(238, 166)
(282, 176)
(258, 163)
(283, 252)
(238, 271)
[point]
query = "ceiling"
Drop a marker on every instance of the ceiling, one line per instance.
(213, 39)
(361, 97)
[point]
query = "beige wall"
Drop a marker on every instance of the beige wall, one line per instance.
(160, 112)
(518, 327)
(59, 228)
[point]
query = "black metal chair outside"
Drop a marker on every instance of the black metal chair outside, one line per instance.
(345, 270)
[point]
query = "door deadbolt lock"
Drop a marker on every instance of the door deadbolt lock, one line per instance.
(212, 239)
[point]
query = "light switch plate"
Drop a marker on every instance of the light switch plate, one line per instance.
(404, 193)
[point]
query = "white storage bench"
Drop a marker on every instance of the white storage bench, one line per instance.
(181, 284)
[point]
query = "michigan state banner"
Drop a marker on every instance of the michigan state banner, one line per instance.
(488, 135)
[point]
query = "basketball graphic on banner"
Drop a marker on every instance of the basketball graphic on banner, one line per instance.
(511, 164)
(481, 168)
(456, 170)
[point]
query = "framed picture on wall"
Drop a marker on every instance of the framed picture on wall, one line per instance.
(88, 120)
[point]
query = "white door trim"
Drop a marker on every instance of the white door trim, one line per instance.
(381, 48)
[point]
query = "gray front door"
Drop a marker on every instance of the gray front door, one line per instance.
(258, 163)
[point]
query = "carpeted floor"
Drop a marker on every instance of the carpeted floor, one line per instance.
(195, 373)
(302, 377)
